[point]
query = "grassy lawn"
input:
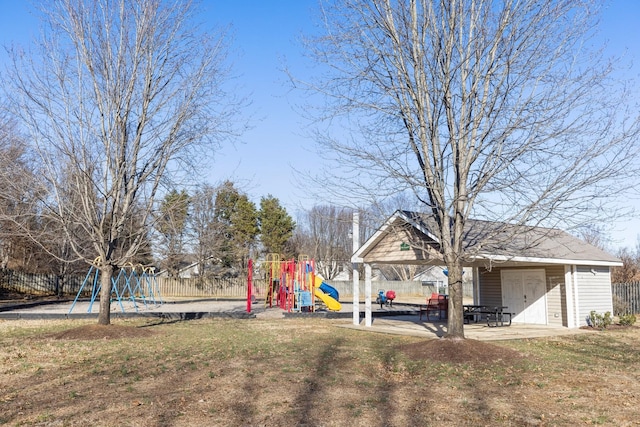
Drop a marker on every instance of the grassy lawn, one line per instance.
(304, 372)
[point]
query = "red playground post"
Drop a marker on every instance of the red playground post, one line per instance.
(249, 285)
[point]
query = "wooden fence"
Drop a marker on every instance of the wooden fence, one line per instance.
(626, 298)
(237, 287)
(175, 287)
(49, 284)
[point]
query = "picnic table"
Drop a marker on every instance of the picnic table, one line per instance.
(494, 315)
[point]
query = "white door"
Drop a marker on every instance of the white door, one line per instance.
(523, 292)
(512, 295)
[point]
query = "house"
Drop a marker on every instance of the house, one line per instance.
(188, 268)
(346, 271)
(435, 277)
(544, 276)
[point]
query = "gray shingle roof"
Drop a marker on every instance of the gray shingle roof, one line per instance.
(507, 242)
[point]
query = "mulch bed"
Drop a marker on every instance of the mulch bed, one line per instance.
(102, 332)
(460, 351)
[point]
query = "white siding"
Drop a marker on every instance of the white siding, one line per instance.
(556, 296)
(490, 287)
(593, 291)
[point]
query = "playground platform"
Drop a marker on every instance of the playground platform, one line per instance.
(178, 309)
(401, 319)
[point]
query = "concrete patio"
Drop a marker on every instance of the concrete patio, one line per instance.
(410, 325)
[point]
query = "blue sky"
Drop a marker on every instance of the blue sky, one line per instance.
(265, 37)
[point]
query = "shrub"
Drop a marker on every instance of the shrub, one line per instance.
(620, 306)
(599, 321)
(627, 319)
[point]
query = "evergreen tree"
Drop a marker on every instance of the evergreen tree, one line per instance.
(237, 220)
(244, 228)
(276, 226)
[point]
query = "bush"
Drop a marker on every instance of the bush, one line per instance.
(599, 321)
(620, 306)
(627, 319)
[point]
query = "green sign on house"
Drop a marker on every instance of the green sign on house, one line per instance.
(404, 246)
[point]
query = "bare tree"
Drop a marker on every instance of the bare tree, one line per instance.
(324, 236)
(496, 109)
(11, 152)
(376, 214)
(126, 94)
(209, 235)
(19, 218)
(17, 193)
(171, 230)
(595, 235)
(630, 270)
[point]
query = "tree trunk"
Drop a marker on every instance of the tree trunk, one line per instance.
(455, 326)
(106, 272)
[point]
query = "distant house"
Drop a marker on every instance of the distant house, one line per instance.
(435, 277)
(345, 274)
(189, 268)
(544, 276)
(184, 269)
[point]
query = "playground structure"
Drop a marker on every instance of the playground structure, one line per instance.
(131, 283)
(293, 285)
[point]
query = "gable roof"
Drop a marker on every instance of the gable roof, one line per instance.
(483, 241)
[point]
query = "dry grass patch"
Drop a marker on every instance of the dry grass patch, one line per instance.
(221, 372)
(106, 332)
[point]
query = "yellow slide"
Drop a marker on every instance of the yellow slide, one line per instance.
(331, 303)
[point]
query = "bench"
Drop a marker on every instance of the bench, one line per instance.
(494, 315)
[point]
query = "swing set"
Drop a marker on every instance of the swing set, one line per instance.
(131, 283)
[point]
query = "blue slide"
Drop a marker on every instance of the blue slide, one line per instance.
(330, 290)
